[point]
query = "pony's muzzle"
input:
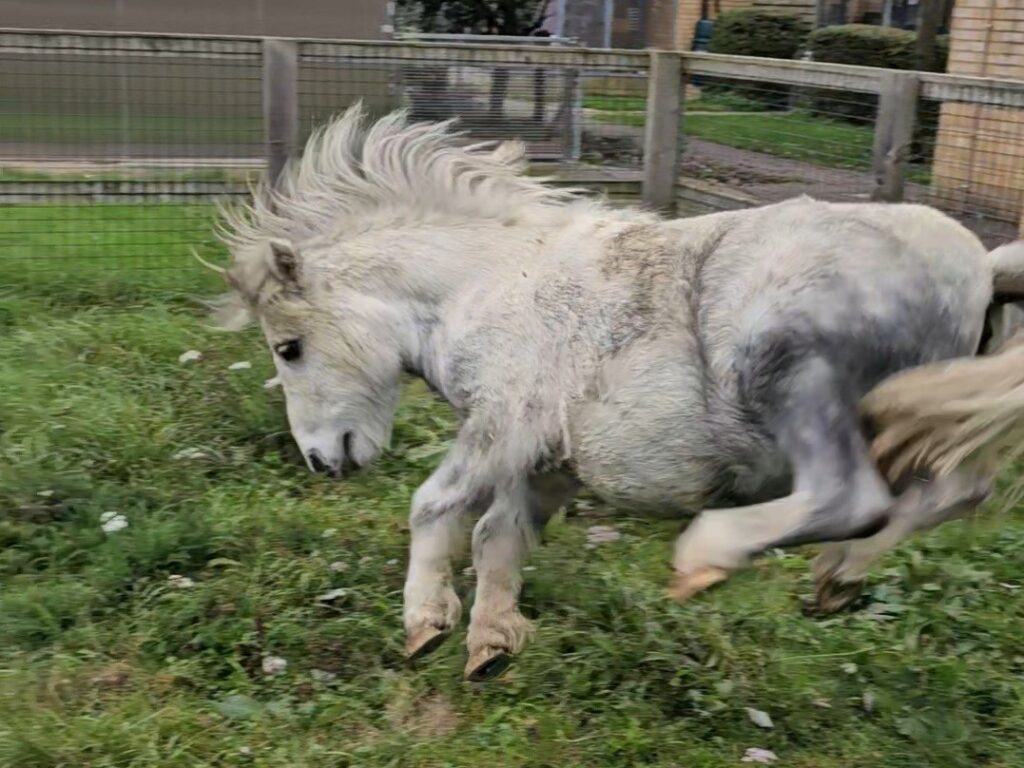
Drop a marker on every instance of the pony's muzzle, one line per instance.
(320, 466)
(333, 467)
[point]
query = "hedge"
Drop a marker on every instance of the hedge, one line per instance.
(754, 32)
(868, 46)
(872, 46)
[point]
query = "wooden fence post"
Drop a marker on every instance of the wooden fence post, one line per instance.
(661, 134)
(280, 104)
(894, 133)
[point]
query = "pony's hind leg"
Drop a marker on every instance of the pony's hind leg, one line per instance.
(840, 568)
(837, 495)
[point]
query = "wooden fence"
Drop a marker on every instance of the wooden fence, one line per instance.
(259, 96)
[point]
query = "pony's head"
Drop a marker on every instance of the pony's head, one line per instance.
(330, 267)
(334, 348)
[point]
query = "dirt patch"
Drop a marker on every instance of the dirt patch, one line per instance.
(430, 716)
(603, 149)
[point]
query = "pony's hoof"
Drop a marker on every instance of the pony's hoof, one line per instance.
(487, 663)
(833, 595)
(686, 585)
(425, 640)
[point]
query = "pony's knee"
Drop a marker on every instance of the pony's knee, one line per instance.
(857, 509)
(504, 536)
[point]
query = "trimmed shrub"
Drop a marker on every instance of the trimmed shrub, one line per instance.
(867, 46)
(872, 46)
(754, 32)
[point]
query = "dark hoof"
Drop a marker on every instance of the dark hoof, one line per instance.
(833, 596)
(423, 642)
(487, 664)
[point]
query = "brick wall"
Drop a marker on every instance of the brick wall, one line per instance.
(688, 14)
(979, 153)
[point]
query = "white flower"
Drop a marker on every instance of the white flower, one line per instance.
(241, 365)
(758, 755)
(332, 595)
(189, 453)
(274, 665)
(759, 718)
(391, 562)
(322, 676)
(338, 566)
(190, 357)
(601, 534)
(180, 582)
(111, 522)
(328, 532)
(45, 494)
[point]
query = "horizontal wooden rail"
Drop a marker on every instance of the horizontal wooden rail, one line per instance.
(784, 72)
(810, 74)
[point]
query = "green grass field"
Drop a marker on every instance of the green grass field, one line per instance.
(106, 660)
(21, 123)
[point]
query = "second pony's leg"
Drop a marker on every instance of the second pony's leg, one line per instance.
(838, 493)
(841, 567)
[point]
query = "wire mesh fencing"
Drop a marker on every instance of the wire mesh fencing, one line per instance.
(951, 142)
(975, 162)
(752, 142)
(114, 148)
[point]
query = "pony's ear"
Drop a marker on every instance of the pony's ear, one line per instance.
(511, 154)
(283, 262)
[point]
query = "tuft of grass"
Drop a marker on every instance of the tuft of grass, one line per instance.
(106, 661)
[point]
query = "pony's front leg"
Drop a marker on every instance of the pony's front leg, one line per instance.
(501, 540)
(432, 609)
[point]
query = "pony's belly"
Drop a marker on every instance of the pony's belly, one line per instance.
(641, 443)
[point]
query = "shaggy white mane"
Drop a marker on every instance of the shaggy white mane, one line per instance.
(355, 176)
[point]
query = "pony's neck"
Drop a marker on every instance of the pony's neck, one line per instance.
(424, 270)
(431, 264)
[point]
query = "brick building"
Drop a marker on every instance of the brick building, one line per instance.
(979, 153)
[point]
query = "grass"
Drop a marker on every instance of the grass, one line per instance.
(105, 662)
(707, 102)
(795, 135)
(116, 173)
(19, 123)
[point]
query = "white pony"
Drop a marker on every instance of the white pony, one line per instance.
(671, 366)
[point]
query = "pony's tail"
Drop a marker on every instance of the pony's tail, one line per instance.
(936, 418)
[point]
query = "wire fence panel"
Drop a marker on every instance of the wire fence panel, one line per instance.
(751, 142)
(977, 165)
(538, 98)
(114, 148)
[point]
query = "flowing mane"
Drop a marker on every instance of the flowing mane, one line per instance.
(355, 176)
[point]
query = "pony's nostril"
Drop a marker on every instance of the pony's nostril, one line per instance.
(346, 450)
(317, 463)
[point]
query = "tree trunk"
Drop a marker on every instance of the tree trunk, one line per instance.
(928, 20)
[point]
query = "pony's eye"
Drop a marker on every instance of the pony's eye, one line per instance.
(289, 350)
